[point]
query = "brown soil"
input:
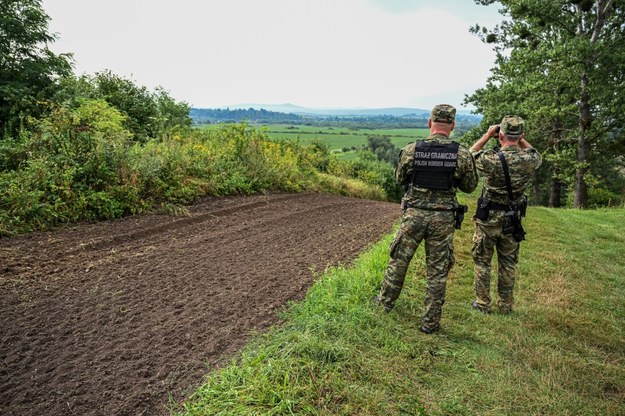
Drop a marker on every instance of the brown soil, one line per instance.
(122, 317)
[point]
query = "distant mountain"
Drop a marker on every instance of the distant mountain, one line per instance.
(363, 112)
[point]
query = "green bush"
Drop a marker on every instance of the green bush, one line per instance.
(369, 169)
(602, 197)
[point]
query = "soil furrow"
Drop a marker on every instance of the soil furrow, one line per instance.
(115, 318)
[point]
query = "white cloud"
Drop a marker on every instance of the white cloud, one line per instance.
(322, 53)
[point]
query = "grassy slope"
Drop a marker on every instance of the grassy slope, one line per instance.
(561, 353)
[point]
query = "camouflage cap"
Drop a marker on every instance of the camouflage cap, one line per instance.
(443, 113)
(512, 125)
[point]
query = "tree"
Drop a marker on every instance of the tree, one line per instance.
(383, 148)
(171, 114)
(134, 101)
(148, 114)
(561, 62)
(28, 69)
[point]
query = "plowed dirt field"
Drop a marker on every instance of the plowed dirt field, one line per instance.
(119, 317)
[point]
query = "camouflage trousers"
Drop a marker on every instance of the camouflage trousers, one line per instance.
(486, 239)
(437, 229)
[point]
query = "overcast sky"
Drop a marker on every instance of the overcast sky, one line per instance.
(313, 53)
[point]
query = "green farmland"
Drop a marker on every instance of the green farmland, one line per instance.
(339, 138)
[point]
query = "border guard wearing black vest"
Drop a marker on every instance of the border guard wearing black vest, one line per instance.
(431, 172)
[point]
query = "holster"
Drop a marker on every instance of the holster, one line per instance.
(522, 207)
(483, 208)
(459, 213)
(512, 225)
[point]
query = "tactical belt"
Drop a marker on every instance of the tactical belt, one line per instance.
(458, 212)
(485, 205)
(495, 206)
(431, 209)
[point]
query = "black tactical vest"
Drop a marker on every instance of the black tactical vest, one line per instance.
(434, 165)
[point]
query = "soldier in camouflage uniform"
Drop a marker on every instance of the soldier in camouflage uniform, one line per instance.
(522, 160)
(431, 172)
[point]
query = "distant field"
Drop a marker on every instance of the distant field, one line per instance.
(340, 137)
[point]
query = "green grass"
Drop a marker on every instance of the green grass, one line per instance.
(562, 352)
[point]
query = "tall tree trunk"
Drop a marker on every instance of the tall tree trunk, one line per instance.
(537, 195)
(580, 199)
(553, 147)
(555, 189)
(603, 8)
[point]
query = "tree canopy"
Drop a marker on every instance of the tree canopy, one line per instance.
(28, 69)
(149, 114)
(561, 65)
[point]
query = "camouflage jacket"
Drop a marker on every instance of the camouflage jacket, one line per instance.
(465, 177)
(521, 163)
